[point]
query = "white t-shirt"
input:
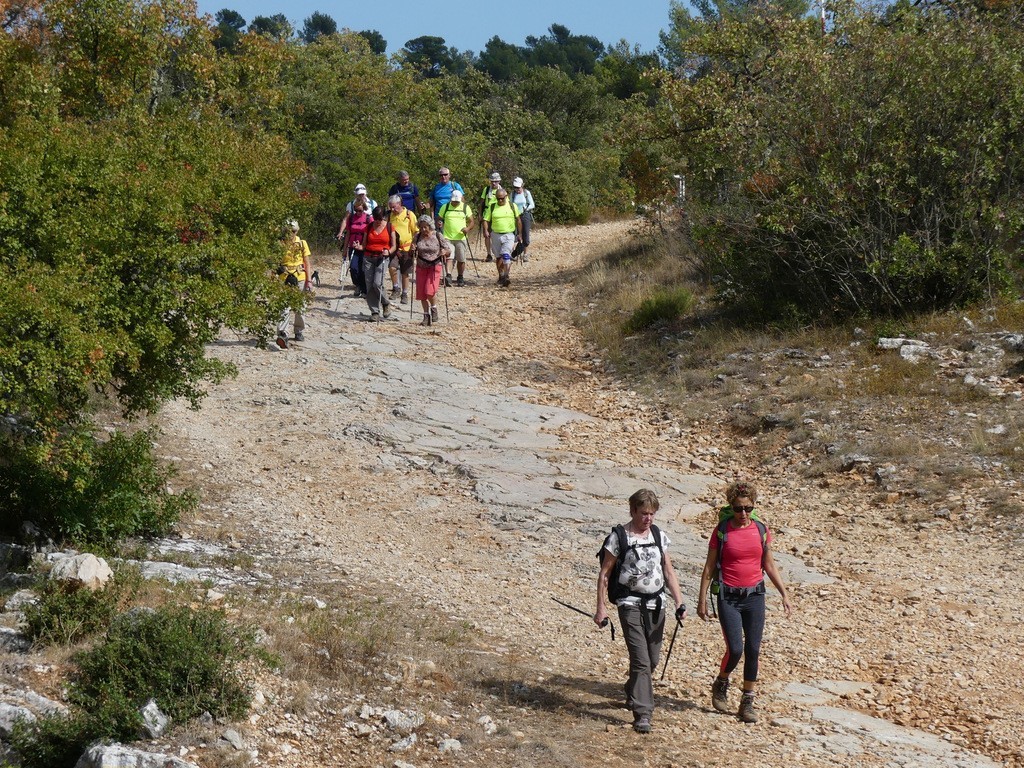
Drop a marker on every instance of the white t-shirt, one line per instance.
(641, 569)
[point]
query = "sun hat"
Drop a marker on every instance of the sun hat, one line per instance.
(495, 176)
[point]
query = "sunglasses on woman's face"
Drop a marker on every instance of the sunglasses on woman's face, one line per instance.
(740, 510)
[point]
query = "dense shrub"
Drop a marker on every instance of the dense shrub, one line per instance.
(874, 169)
(186, 660)
(85, 490)
(64, 616)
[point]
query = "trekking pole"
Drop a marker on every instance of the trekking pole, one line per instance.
(574, 608)
(472, 258)
(444, 287)
(670, 646)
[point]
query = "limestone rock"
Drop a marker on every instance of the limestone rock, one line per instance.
(83, 570)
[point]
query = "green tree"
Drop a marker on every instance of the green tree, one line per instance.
(430, 56)
(318, 25)
(375, 40)
(875, 169)
(137, 219)
(230, 25)
(502, 61)
(276, 27)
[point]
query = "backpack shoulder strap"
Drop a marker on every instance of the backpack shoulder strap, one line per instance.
(657, 540)
(763, 530)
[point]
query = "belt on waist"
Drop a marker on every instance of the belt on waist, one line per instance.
(757, 589)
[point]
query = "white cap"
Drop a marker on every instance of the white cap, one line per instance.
(517, 182)
(456, 196)
(293, 225)
(360, 188)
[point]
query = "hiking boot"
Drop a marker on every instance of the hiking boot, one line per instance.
(405, 298)
(461, 281)
(434, 316)
(448, 281)
(720, 694)
(299, 337)
(747, 713)
(375, 317)
(395, 293)
(387, 311)
(642, 724)
(426, 319)
(282, 340)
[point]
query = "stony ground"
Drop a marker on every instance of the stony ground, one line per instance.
(448, 481)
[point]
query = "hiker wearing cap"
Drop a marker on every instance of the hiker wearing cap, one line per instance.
(368, 205)
(524, 202)
(353, 233)
(403, 221)
(441, 194)
(635, 569)
(431, 251)
(739, 556)
(378, 245)
(486, 201)
(408, 191)
(456, 220)
(295, 271)
(502, 229)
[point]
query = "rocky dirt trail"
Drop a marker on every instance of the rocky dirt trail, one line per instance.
(466, 473)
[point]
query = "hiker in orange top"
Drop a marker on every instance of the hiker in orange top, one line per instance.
(739, 556)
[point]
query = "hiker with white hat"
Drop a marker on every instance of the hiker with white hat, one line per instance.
(524, 202)
(486, 201)
(456, 219)
(502, 229)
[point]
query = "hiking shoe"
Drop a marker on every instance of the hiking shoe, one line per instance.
(387, 311)
(299, 337)
(282, 340)
(448, 281)
(747, 713)
(395, 293)
(426, 319)
(461, 281)
(375, 317)
(434, 314)
(720, 694)
(405, 298)
(642, 724)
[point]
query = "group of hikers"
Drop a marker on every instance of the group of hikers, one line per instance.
(416, 241)
(636, 568)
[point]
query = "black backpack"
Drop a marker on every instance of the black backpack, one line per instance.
(617, 591)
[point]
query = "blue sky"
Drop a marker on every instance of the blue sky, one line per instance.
(469, 24)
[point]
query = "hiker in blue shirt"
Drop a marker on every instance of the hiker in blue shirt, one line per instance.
(408, 191)
(441, 194)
